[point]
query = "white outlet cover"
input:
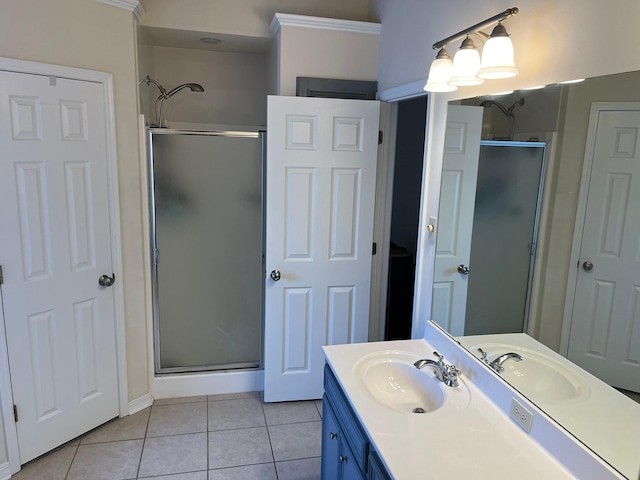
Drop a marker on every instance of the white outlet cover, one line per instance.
(521, 415)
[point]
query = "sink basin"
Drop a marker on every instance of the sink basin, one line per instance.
(538, 376)
(392, 380)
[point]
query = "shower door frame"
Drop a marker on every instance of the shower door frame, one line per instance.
(155, 300)
(533, 249)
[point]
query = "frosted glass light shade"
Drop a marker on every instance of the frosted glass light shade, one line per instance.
(439, 74)
(497, 59)
(465, 68)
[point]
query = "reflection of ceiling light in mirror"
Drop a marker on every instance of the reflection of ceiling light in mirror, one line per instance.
(499, 94)
(210, 40)
(577, 80)
(537, 87)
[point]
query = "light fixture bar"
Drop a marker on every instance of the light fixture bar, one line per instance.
(478, 26)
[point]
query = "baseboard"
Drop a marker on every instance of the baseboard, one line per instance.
(5, 471)
(186, 385)
(140, 403)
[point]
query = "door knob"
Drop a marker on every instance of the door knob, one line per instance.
(106, 280)
(587, 266)
(275, 275)
(463, 269)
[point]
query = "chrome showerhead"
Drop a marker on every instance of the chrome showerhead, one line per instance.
(194, 87)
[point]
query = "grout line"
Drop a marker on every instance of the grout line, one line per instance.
(275, 468)
(144, 442)
(207, 434)
(72, 459)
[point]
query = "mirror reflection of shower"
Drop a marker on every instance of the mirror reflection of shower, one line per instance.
(508, 112)
(164, 96)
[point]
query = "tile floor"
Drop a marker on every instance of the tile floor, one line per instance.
(219, 437)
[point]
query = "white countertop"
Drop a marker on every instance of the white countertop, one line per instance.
(604, 419)
(478, 441)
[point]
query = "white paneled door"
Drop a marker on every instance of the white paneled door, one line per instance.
(321, 175)
(605, 325)
(457, 204)
(54, 246)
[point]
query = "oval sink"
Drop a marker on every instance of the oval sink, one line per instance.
(537, 376)
(391, 379)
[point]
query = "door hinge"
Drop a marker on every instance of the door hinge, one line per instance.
(374, 250)
(15, 413)
(1, 276)
(380, 137)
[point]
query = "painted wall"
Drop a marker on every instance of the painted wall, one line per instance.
(615, 88)
(234, 85)
(96, 36)
(243, 17)
(554, 41)
(314, 52)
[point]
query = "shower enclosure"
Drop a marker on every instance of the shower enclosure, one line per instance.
(207, 242)
(503, 245)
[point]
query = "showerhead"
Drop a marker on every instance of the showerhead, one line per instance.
(194, 87)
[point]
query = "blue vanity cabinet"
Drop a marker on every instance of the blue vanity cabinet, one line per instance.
(347, 453)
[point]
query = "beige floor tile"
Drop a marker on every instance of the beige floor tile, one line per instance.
(52, 466)
(174, 454)
(177, 419)
(290, 412)
(175, 400)
(106, 461)
(234, 448)
(233, 396)
(131, 427)
(181, 476)
(265, 471)
(232, 414)
(296, 440)
(305, 469)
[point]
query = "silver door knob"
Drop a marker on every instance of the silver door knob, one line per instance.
(587, 266)
(275, 275)
(106, 280)
(463, 269)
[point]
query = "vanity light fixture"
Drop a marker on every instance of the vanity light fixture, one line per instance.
(467, 68)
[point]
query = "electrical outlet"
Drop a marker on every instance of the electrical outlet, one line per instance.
(521, 415)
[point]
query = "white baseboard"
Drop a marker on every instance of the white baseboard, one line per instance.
(140, 403)
(5, 471)
(186, 385)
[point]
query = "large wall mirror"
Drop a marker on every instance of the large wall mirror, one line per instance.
(512, 188)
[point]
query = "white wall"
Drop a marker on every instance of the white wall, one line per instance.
(554, 40)
(92, 35)
(314, 52)
(243, 17)
(234, 85)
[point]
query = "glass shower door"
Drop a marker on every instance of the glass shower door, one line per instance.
(503, 236)
(207, 224)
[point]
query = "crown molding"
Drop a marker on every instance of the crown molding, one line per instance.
(403, 92)
(289, 20)
(132, 5)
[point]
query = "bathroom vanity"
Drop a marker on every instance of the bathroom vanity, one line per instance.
(386, 419)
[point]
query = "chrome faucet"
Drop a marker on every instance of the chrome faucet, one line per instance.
(497, 363)
(446, 373)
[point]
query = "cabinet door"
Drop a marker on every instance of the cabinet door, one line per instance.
(376, 470)
(330, 443)
(350, 469)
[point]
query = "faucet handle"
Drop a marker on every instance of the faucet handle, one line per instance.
(439, 357)
(483, 355)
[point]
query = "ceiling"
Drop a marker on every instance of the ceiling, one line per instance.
(169, 37)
